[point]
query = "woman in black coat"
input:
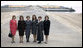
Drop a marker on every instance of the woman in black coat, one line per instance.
(46, 27)
(21, 28)
(34, 27)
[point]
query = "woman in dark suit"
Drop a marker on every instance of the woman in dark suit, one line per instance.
(28, 28)
(21, 28)
(40, 30)
(46, 28)
(34, 27)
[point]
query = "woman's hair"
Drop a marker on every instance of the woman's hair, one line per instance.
(13, 17)
(21, 17)
(47, 17)
(33, 17)
(39, 17)
(28, 16)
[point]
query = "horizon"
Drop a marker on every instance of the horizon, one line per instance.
(60, 3)
(77, 5)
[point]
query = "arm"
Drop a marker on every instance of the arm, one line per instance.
(42, 26)
(30, 24)
(48, 24)
(25, 24)
(16, 25)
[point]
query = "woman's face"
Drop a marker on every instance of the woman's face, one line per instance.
(14, 18)
(34, 17)
(21, 18)
(46, 18)
(39, 18)
(28, 18)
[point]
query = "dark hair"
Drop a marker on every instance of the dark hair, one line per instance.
(28, 16)
(47, 17)
(13, 16)
(39, 17)
(33, 17)
(20, 17)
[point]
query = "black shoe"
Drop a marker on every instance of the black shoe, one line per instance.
(21, 42)
(39, 42)
(13, 42)
(27, 40)
(34, 41)
(45, 42)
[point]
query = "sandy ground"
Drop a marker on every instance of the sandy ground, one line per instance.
(72, 20)
(63, 30)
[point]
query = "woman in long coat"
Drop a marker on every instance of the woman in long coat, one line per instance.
(28, 28)
(46, 28)
(21, 28)
(34, 27)
(40, 30)
(13, 27)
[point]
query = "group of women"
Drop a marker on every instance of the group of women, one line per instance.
(35, 26)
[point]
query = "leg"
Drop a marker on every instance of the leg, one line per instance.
(34, 38)
(13, 39)
(46, 36)
(27, 37)
(39, 42)
(39, 39)
(20, 39)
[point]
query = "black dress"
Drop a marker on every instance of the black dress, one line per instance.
(46, 27)
(21, 27)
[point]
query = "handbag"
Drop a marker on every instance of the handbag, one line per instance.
(10, 35)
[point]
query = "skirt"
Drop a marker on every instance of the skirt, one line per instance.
(21, 33)
(46, 32)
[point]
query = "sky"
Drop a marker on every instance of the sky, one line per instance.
(77, 5)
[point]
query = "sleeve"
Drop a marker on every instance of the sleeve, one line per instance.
(42, 26)
(43, 22)
(31, 25)
(49, 24)
(16, 25)
(25, 24)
